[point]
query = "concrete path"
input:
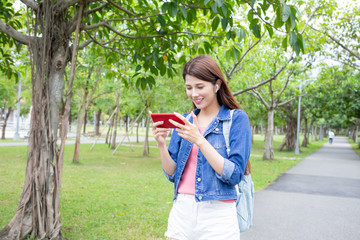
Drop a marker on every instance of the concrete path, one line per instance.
(319, 198)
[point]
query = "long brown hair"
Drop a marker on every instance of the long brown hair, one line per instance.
(205, 68)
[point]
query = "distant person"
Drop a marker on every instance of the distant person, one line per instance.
(331, 136)
(204, 174)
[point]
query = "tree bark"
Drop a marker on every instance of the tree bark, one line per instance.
(116, 120)
(146, 149)
(306, 134)
(5, 122)
(97, 130)
(83, 124)
(290, 136)
(38, 211)
(269, 137)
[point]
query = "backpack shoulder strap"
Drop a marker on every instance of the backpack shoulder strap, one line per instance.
(226, 131)
(188, 116)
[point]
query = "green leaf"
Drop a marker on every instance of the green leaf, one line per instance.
(164, 7)
(285, 12)
(206, 2)
(162, 69)
(293, 20)
(278, 20)
(293, 38)
(214, 8)
(138, 67)
(250, 15)
(270, 30)
(284, 43)
(224, 22)
(224, 9)
(183, 10)
(143, 83)
(301, 42)
(228, 35)
(173, 9)
(219, 3)
(235, 53)
(161, 20)
(252, 3)
(215, 23)
(237, 31)
(242, 34)
(297, 49)
(255, 28)
(153, 70)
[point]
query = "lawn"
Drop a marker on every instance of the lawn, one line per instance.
(355, 146)
(121, 196)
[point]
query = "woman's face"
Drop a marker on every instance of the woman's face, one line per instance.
(201, 93)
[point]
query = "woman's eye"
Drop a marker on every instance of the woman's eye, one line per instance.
(200, 87)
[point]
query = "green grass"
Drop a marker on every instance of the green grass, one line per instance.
(121, 196)
(355, 146)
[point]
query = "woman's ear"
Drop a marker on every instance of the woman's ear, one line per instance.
(218, 85)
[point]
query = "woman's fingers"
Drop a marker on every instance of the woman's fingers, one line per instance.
(176, 124)
(195, 121)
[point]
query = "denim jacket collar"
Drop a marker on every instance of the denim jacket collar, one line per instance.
(223, 115)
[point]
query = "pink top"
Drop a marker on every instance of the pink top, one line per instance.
(187, 181)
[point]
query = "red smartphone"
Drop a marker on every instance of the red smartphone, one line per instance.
(157, 117)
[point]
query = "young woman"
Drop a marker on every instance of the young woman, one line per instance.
(204, 174)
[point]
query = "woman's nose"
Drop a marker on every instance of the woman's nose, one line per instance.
(194, 93)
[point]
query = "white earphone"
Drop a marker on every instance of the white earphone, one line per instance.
(217, 87)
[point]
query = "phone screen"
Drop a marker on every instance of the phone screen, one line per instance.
(157, 117)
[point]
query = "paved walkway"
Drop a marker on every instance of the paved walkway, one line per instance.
(319, 198)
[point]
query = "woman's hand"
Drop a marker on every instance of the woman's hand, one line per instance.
(188, 131)
(159, 133)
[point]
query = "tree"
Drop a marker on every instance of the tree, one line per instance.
(7, 100)
(151, 32)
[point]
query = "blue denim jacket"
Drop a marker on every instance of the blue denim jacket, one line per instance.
(208, 184)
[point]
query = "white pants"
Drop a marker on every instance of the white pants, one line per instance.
(191, 220)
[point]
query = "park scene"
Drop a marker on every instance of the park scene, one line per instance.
(78, 79)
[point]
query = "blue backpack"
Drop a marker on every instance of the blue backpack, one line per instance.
(245, 189)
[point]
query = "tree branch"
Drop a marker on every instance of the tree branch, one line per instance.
(265, 81)
(121, 8)
(284, 87)
(104, 24)
(104, 44)
(90, 11)
(337, 42)
(64, 4)
(31, 4)
(233, 70)
(18, 36)
(258, 96)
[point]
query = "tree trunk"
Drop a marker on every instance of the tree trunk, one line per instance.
(116, 120)
(269, 151)
(81, 117)
(306, 137)
(356, 134)
(5, 122)
(146, 141)
(137, 132)
(38, 211)
(290, 136)
(126, 123)
(97, 130)
(85, 120)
